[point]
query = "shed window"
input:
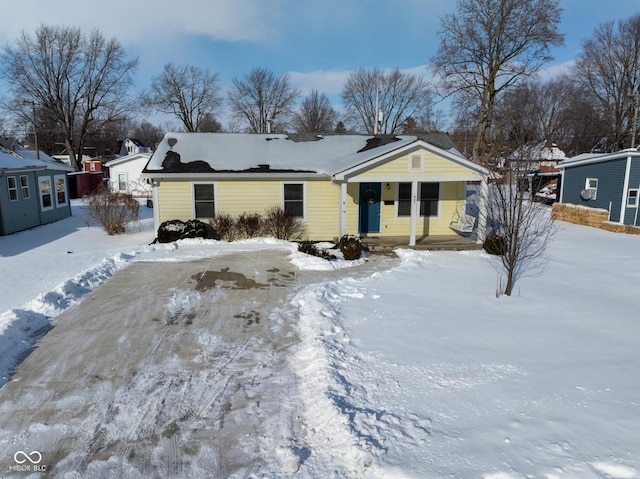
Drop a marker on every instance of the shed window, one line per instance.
(204, 200)
(632, 198)
(13, 188)
(24, 187)
(293, 199)
(122, 182)
(61, 190)
(591, 184)
(46, 197)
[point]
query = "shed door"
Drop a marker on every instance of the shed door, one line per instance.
(369, 221)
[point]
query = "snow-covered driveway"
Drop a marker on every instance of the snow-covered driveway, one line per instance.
(167, 370)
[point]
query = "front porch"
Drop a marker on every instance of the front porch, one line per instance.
(386, 244)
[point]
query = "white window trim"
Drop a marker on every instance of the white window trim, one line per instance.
(410, 167)
(397, 192)
(304, 196)
(637, 197)
(126, 182)
(66, 190)
(51, 192)
(193, 197)
(14, 189)
(23, 187)
(587, 187)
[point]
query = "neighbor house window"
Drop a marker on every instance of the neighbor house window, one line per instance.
(591, 184)
(293, 199)
(429, 194)
(61, 190)
(24, 186)
(204, 200)
(632, 198)
(46, 197)
(13, 188)
(122, 182)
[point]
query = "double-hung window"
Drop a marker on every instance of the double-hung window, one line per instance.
(293, 199)
(61, 190)
(13, 188)
(204, 200)
(24, 187)
(46, 195)
(429, 194)
(632, 198)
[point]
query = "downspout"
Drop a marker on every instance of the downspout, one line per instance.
(156, 203)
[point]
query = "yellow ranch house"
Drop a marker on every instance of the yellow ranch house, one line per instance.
(382, 186)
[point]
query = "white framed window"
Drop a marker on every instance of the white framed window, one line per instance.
(24, 187)
(293, 199)
(632, 198)
(591, 184)
(60, 182)
(415, 162)
(12, 185)
(46, 194)
(122, 182)
(204, 200)
(428, 199)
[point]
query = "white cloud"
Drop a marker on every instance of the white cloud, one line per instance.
(150, 20)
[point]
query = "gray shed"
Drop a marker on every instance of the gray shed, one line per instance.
(610, 181)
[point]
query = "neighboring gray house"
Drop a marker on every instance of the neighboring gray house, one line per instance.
(610, 181)
(32, 191)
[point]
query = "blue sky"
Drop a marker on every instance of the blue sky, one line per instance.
(318, 42)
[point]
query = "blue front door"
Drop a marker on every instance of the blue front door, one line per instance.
(370, 207)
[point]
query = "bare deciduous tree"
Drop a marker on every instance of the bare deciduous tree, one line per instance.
(78, 80)
(262, 101)
(487, 46)
(189, 93)
(400, 96)
(316, 115)
(521, 228)
(609, 70)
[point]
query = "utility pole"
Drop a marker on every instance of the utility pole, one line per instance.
(634, 128)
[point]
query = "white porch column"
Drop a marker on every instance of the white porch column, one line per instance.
(481, 233)
(343, 209)
(156, 203)
(414, 212)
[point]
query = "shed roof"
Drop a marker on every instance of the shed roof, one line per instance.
(589, 158)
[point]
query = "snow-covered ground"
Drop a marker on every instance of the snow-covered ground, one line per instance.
(418, 371)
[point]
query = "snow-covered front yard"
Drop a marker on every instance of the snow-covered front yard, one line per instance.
(417, 371)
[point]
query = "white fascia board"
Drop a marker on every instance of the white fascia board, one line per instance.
(354, 170)
(409, 179)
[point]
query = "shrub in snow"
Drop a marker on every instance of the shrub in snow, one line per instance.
(309, 247)
(223, 227)
(350, 246)
(174, 230)
(495, 244)
(249, 225)
(282, 224)
(112, 210)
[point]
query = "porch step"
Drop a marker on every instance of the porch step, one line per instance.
(427, 243)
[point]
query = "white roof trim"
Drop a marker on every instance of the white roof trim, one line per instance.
(618, 155)
(368, 164)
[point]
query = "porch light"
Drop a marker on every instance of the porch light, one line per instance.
(388, 186)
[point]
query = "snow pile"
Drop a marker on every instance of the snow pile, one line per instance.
(21, 328)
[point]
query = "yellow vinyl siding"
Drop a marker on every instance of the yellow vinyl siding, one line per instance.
(237, 197)
(433, 165)
(323, 210)
(353, 190)
(175, 200)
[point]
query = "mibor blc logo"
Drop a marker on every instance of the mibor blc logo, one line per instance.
(28, 462)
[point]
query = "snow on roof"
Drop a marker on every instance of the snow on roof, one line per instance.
(233, 152)
(127, 158)
(24, 158)
(598, 157)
